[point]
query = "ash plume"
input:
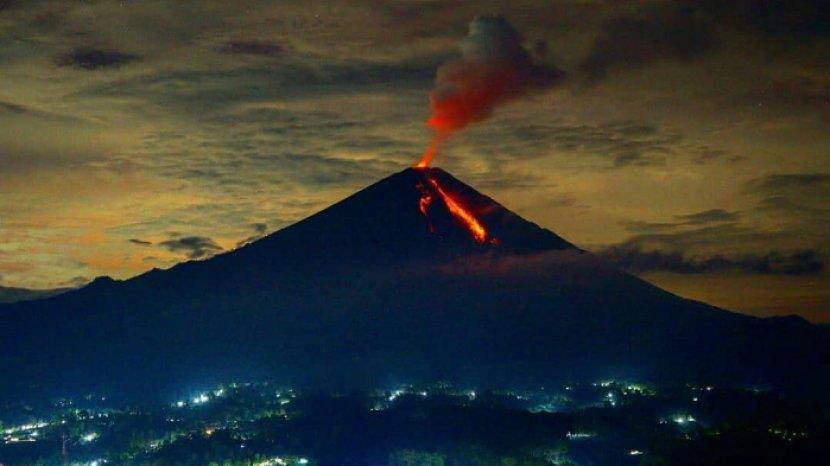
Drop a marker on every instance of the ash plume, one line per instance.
(493, 69)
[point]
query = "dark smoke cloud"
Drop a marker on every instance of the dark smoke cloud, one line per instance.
(493, 69)
(667, 32)
(93, 59)
(194, 247)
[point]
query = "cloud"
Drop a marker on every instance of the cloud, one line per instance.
(625, 143)
(697, 219)
(92, 58)
(632, 257)
(708, 216)
(258, 48)
(807, 93)
(648, 227)
(775, 18)
(665, 32)
(8, 107)
(76, 282)
(140, 242)
(705, 154)
(789, 182)
(295, 77)
(194, 247)
(614, 144)
(13, 109)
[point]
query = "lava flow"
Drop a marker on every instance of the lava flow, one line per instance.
(463, 215)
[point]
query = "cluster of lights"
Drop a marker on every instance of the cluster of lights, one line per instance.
(26, 427)
(682, 419)
(23, 433)
(395, 394)
(279, 461)
(204, 397)
(786, 434)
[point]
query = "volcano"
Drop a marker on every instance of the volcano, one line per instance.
(417, 277)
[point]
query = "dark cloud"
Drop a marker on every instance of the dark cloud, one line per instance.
(201, 92)
(140, 242)
(13, 109)
(775, 17)
(625, 143)
(8, 107)
(259, 48)
(788, 182)
(93, 58)
(648, 227)
(665, 32)
(713, 237)
(800, 200)
(194, 247)
(708, 216)
(632, 257)
(807, 94)
(818, 213)
(685, 30)
(622, 143)
(703, 155)
(76, 282)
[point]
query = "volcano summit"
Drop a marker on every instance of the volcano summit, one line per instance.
(417, 277)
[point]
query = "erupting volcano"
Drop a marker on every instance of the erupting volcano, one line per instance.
(401, 281)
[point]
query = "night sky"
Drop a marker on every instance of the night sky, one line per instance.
(689, 141)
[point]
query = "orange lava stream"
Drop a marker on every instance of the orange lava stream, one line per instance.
(469, 220)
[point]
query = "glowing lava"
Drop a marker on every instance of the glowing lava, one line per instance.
(426, 199)
(469, 220)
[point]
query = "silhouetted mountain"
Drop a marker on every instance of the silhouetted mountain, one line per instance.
(372, 291)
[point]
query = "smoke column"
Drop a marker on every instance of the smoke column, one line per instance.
(493, 69)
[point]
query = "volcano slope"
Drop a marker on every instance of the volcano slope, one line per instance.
(391, 285)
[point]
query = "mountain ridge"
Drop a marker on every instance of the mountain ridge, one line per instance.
(375, 289)
(10, 294)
